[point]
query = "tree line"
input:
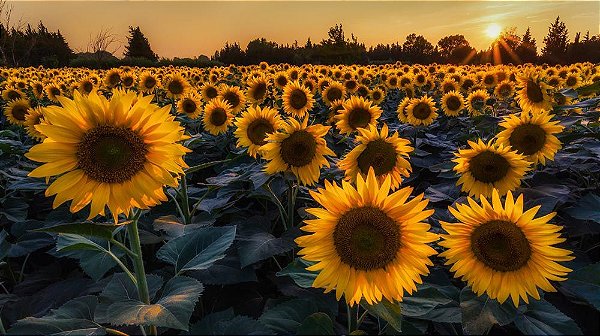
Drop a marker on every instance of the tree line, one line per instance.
(27, 46)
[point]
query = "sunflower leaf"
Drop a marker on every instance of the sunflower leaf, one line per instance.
(388, 311)
(83, 229)
(584, 283)
(199, 249)
(539, 317)
(480, 313)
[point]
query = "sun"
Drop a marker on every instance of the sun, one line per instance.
(493, 30)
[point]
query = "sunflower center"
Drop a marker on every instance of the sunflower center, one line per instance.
(128, 81)
(282, 81)
(87, 87)
(232, 98)
(453, 103)
(218, 116)
(366, 238)
(298, 149)
(150, 82)
(379, 154)
(258, 129)
(534, 92)
(528, 139)
(211, 92)
(260, 90)
(488, 167)
(19, 112)
(188, 106)
(111, 154)
(448, 87)
(175, 87)
(114, 79)
(334, 94)
(55, 91)
(422, 111)
(376, 95)
(500, 245)
(298, 99)
(571, 81)
(359, 117)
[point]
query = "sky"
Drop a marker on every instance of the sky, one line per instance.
(192, 28)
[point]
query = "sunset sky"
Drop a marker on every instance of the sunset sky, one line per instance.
(191, 28)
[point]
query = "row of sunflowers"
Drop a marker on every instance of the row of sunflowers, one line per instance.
(344, 164)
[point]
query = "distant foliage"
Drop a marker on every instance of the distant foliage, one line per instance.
(138, 45)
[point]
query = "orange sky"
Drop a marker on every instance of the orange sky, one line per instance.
(191, 28)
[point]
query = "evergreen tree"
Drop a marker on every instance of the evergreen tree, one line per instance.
(527, 49)
(138, 45)
(556, 42)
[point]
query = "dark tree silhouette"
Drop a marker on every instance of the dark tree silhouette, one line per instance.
(455, 49)
(417, 49)
(527, 49)
(556, 42)
(138, 45)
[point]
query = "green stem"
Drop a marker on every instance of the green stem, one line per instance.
(185, 201)
(23, 267)
(278, 203)
(349, 316)
(138, 262)
(122, 247)
(291, 203)
(2, 330)
(361, 318)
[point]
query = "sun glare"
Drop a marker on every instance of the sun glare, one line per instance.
(493, 30)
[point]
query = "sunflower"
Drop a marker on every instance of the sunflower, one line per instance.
(85, 86)
(281, 79)
(449, 85)
(503, 250)
(258, 90)
(386, 154)
(334, 91)
(534, 95)
(35, 116)
(421, 111)
(401, 110)
(148, 82)
(298, 148)
(118, 153)
(190, 105)
(16, 111)
(112, 78)
(357, 113)
(573, 80)
(37, 89)
(233, 96)
(297, 100)
(377, 95)
(453, 103)
(218, 116)
(12, 94)
(176, 86)
(504, 90)
(53, 92)
(485, 167)
(531, 134)
(253, 126)
(476, 102)
(209, 92)
(366, 242)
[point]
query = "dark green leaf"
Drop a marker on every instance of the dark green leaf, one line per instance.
(204, 166)
(588, 208)
(197, 250)
(388, 311)
(480, 313)
(297, 271)
(316, 324)
(83, 229)
(287, 317)
(120, 287)
(585, 284)
(262, 245)
(73, 318)
(539, 317)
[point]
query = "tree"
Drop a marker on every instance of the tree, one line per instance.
(138, 45)
(455, 49)
(527, 49)
(417, 49)
(260, 50)
(230, 54)
(556, 42)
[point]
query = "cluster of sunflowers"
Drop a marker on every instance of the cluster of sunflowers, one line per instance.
(113, 139)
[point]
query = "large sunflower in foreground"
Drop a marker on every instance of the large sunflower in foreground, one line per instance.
(253, 126)
(297, 100)
(366, 242)
(118, 153)
(357, 113)
(531, 134)
(503, 250)
(387, 155)
(421, 111)
(299, 148)
(534, 94)
(485, 167)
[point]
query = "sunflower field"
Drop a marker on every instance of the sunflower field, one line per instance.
(309, 200)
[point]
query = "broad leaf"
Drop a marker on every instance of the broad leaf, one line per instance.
(197, 250)
(316, 324)
(120, 287)
(288, 316)
(261, 245)
(297, 271)
(172, 310)
(585, 284)
(83, 229)
(539, 317)
(588, 208)
(388, 311)
(73, 318)
(480, 313)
